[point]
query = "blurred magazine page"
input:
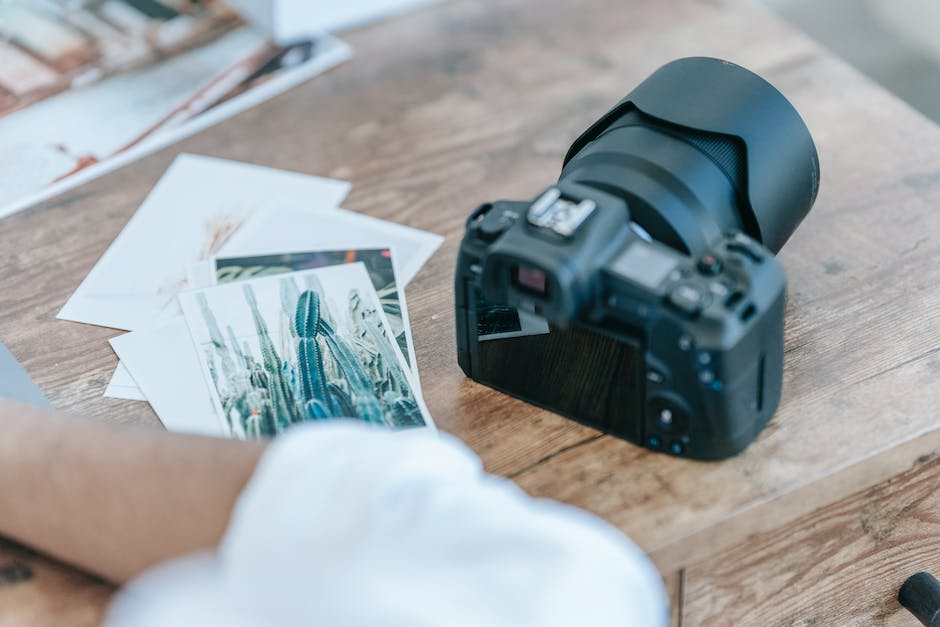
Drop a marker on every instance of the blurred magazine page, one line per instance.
(89, 87)
(288, 20)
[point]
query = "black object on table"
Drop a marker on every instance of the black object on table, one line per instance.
(920, 595)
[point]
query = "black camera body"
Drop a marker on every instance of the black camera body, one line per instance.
(685, 354)
(640, 294)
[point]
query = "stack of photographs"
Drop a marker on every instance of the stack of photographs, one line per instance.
(271, 307)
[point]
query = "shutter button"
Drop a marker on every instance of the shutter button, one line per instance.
(709, 265)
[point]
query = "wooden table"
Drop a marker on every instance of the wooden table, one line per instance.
(471, 101)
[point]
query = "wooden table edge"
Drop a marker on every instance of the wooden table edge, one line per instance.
(775, 511)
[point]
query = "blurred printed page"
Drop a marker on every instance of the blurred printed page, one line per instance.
(288, 20)
(86, 87)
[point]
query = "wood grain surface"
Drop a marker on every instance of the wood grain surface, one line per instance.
(476, 100)
(39, 592)
(841, 565)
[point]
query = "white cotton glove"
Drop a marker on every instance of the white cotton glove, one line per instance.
(345, 525)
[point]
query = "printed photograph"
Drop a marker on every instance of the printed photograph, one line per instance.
(307, 346)
(288, 229)
(84, 83)
(377, 261)
(195, 208)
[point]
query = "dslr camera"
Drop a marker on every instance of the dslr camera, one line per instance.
(640, 294)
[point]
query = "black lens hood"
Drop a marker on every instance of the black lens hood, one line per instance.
(703, 94)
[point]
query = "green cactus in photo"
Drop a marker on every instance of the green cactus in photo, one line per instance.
(374, 333)
(377, 261)
(309, 357)
(282, 400)
(309, 369)
(409, 412)
(218, 342)
(363, 400)
(289, 297)
(340, 403)
(316, 410)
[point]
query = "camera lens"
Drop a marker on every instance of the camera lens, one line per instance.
(700, 148)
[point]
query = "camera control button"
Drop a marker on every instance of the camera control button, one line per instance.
(688, 298)
(746, 250)
(721, 287)
(494, 224)
(667, 416)
(709, 265)
(655, 376)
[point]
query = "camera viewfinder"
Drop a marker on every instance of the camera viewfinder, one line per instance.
(532, 280)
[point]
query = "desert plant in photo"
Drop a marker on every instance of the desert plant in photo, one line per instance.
(377, 261)
(321, 370)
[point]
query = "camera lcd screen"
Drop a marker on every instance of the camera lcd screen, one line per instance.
(578, 372)
(644, 264)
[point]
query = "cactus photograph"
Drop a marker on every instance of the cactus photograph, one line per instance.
(300, 347)
(378, 263)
